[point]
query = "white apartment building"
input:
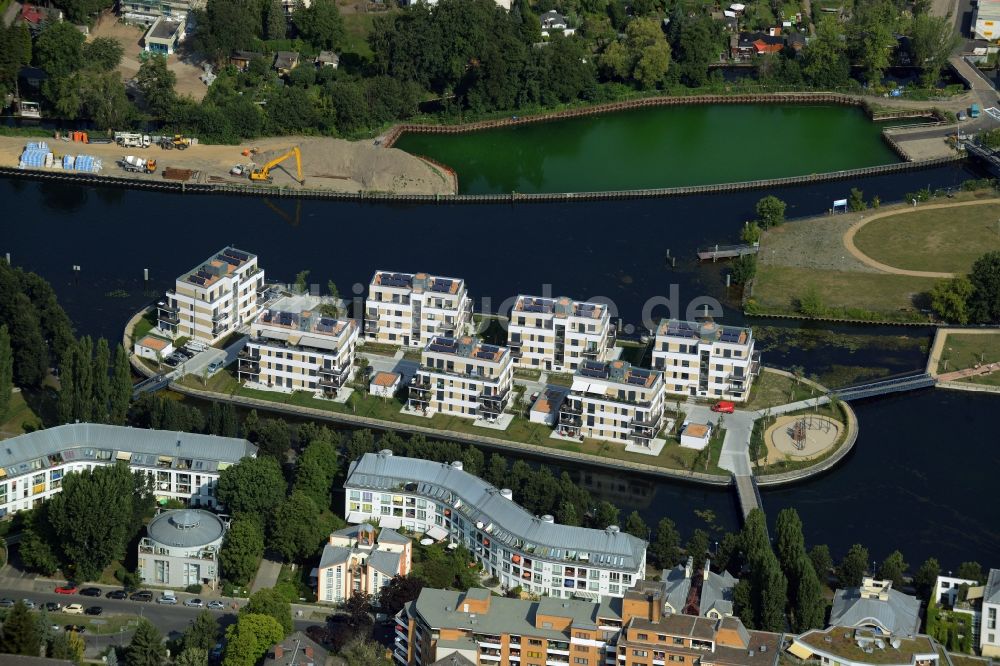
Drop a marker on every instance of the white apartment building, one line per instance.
(989, 631)
(182, 465)
(558, 333)
(409, 309)
(181, 548)
(214, 299)
(705, 359)
(614, 401)
(986, 20)
(463, 377)
(444, 502)
(294, 347)
(360, 559)
(147, 11)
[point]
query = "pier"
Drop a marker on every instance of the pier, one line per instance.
(726, 252)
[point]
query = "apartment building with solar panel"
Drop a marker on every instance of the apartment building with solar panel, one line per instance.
(293, 346)
(705, 359)
(410, 309)
(213, 299)
(462, 377)
(616, 402)
(557, 334)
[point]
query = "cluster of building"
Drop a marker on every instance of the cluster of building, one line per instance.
(298, 344)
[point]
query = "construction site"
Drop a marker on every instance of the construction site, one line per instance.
(315, 163)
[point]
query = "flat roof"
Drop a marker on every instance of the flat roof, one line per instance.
(852, 644)
(164, 29)
(561, 306)
(385, 378)
(695, 430)
(153, 342)
(225, 262)
(466, 347)
(186, 528)
(707, 331)
(418, 282)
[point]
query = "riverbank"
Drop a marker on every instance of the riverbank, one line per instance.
(328, 165)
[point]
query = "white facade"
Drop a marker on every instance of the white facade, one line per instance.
(706, 360)
(696, 435)
(384, 384)
(445, 502)
(293, 347)
(181, 548)
(361, 559)
(989, 630)
(986, 24)
(615, 402)
(410, 309)
(213, 300)
(147, 11)
(182, 466)
(464, 378)
(558, 334)
(946, 589)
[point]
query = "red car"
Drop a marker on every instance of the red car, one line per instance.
(68, 588)
(724, 407)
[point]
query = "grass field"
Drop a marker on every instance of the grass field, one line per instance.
(356, 28)
(968, 350)
(771, 389)
(943, 240)
(853, 295)
(18, 413)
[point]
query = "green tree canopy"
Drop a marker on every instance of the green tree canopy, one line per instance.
(892, 568)
(269, 602)
(825, 63)
(6, 372)
(636, 526)
(320, 24)
(316, 467)
(203, 633)
(103, 53)
(146, 647)
(821, 560)
(296, 532)
(950, 299)
(156, 83)
(984, 305)
(242, 550)
(20, 632)
(59, 48)
(854, 566)
(665, 550)
(770, 212)
(252, 487)
(250, 638)
(932, 39)
(926, 577)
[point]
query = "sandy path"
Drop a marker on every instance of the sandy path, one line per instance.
(885, 268)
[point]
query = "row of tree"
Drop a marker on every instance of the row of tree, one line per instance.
(93, 389)
(972, 298)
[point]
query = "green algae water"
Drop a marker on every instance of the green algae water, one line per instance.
(667, 146)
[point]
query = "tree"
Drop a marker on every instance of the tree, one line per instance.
(274, 437)
(275, 24)
(853, 567)
(320, 24)
(871, 37)
(665, 550)
(856, 200)
(811, 303)
(971, 571)
(932, 39)
(636, 526)
(191, 656)
(269, 602)
(156, 83)
(753, 536)
(59, 48)
(770, 212)
(825, 63)
(101, 381)
(648, 51)
(364, 652)
(399, 591)
(809, 611)
(6, 372)
(315, 469)
(31, 354)
(103, 53)
(252, 487)
(121, 388)
(103, 99)
(296, 532)
(695, 45)
(744, 268)
(697, 547)
(743, 603)
(242, 550)
(203, 633)
(984, 305)
(37, 555)
(926, 577)
(822, 562)
(770, 588)
(892, 568)
(20, 632)
(950, 299)
(146, 647)
(789, 543)
(250, 638)
(605, 513)
(358, 608)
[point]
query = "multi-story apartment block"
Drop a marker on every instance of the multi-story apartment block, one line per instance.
(462, 377)
(182, 465)
(989, 631)
(632, 631)
(181, 548)
(519, 549)
(294, 347)
(147, 11)
(214, 299)
(705, 359)
(558, 333)
(410, 309)
(360, 559)
(614, 401)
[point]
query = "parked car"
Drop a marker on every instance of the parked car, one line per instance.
(80, 629)
(167, 598)
(6, 602)
(214, 366)
(91, 592)
(53, 606)
(94, 610)
(144, 595)
(28, 603)
(68, 588)
(216, 605)
(117, 594)
(724, 407)
(194, 603)
(73, 609)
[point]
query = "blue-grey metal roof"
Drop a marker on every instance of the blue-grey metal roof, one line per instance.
(991, 594)
(513, 526)
(91, 441)
(898, 614)
(384, 562)
(186, 528)
(676, 586)
(717, 592)
(334, 555)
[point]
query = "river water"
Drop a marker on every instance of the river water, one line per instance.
(658, 147)
(921, 475)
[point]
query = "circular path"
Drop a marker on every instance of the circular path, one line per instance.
(821, 432)
(885, 268)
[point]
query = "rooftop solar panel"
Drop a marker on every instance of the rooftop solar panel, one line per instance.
(194, 279)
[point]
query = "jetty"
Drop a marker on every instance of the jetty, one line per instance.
(726, 252)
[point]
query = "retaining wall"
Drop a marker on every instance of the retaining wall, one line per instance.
(771, 480)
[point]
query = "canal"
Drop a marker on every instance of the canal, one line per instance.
(665, 146)
(917, 479)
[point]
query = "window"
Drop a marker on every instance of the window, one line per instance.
(640, 653)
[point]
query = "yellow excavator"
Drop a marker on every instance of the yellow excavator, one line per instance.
(264, 172)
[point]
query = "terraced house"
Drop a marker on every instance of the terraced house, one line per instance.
(705, 359)
(632, 631)
(214, 299)
(410, 309)
(462, 377)
(614, 401)
(444, 502)
(182, 465)
(558, 333)
(295, 347)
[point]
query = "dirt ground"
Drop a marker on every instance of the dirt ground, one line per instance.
(816, 242)
(186, 68)
(327, 163)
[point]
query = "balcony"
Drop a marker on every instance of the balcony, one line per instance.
(493, 403)
(755, 364)
(334, 377)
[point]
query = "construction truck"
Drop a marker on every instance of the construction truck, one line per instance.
(177, 141)
(132, 140)
(264, 172)
(137, 164)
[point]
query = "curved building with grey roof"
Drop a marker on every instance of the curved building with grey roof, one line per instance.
(181, 548)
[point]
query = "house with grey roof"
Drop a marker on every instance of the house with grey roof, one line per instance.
(181, 548)
(716, 593)
(535, 553)
(182, 466)
(296, 650)
(360, 558)
(989, 632)
(876, 605)
(708, 594)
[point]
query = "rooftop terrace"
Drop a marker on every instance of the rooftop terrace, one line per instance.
(214, 268)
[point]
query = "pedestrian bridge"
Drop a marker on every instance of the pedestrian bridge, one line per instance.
(151, 385)
(897, 384)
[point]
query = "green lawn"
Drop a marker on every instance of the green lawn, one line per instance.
(945, 240)
(379, 348)
(18, 413)
(771, 389)
(357, 26)
(966, 350)
(106, 624)
(144, 326)
(843, 294)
